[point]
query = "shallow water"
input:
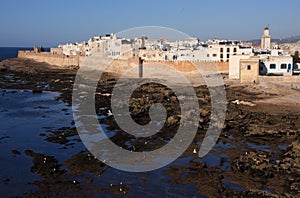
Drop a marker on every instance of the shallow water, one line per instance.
(22, 118)
(25, 122)
(43, 125)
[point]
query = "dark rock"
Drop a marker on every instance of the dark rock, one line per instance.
(15, 152)
(37, 90)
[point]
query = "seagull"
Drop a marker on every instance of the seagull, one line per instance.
(109, 113)
(194, 151)
(236, 102)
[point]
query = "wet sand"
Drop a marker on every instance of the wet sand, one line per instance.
(42, 154)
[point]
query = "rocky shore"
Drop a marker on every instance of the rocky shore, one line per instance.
(257, 154)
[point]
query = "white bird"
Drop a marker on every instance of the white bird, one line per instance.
(194, 151)
(236, 102)
(109, 113)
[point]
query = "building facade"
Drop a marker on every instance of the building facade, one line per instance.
(249, 71)
(276, 65)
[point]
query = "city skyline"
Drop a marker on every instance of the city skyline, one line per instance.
(55, 22)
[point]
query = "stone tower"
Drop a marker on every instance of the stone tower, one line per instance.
(266, 39)
(35, 49)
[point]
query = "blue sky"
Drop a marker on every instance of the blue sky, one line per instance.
(49, 23)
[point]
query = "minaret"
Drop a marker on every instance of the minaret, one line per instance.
(266, 39)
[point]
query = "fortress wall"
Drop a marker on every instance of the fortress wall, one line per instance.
(119, 66)
(161, 70)
(181, 66)
(52, 59)
(188, 66)
(223, 67)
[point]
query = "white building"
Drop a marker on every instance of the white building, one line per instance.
(199, 54)
(73, 49)
(222, 50)
(113, 49)
(268, 65)
(277, 65)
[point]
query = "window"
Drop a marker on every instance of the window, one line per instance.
(228, 55)
(234, 49)
(272, 66)
(228, 49)
(248, 67)
(283, 66)
(221, 49)
(207, 55)
(221, 55)
(214, 55)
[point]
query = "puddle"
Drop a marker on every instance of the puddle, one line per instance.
(282, 147)
(259, 147)
(232, 186)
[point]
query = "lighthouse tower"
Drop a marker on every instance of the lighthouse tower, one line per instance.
(266, 39)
